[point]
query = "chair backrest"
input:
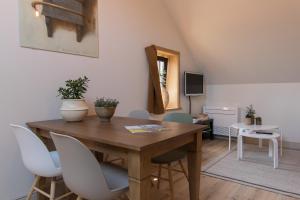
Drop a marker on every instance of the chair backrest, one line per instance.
(35, 154)
(81, 171)
(179, 117)
(139, 114)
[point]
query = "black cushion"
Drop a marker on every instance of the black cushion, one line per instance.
(170, 157)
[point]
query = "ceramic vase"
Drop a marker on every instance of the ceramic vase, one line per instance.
(74, 110)
(105, 113)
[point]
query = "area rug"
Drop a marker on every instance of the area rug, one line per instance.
(256, 169)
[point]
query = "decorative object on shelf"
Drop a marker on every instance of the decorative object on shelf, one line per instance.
(74, 108)
(258, 121)
(250, 115)
(162, 63)
(165, 96)
(68, 26)
(105, 108)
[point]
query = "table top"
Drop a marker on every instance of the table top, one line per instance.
(259, 136)
(115, 133)
(254, 127)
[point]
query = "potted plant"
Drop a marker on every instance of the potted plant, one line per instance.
(74, 108)
(105, 108)
(250, 115)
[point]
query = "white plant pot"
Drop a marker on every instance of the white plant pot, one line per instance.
(74, 110)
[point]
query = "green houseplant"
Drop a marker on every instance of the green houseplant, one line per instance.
(74, 108)
(105, 108)
(250, 115)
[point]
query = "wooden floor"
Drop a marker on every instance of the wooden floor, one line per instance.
(212, 188)
(217, 189)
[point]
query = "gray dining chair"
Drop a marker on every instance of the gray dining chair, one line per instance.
(139, 114)
(84, 175)
(173, 156)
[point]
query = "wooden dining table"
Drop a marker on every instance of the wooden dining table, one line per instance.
(138, 149)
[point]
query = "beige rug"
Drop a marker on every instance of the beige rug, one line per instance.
(257, 170)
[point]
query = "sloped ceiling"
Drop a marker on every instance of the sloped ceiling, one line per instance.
(241, 41)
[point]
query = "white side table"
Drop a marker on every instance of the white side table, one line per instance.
(241, 127)
(273, 144)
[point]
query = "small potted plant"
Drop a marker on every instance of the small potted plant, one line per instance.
(105, 108)
(250, 115)
(74, 108)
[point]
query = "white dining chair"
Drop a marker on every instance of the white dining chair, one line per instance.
(139, 114)
(84, 175)
(38, 160)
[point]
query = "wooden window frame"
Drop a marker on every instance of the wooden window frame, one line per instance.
(173, 71)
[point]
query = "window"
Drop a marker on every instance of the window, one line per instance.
(168, 62)
(163, 87)
(162, 64)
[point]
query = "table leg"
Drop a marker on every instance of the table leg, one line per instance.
(229, 142)
(139, 172)
(270, 149)
(275, 151)
(238, 147)
(240, 150)
(281, 139)
(194, 166)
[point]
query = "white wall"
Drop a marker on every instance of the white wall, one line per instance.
(240, 41)
(30, 78)
(276, 103)
(249, 52)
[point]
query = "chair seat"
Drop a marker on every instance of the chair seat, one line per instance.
(170, 157)
(115, 176)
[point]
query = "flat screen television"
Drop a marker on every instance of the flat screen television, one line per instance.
(193, 84)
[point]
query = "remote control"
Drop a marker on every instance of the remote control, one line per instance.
(266, 133)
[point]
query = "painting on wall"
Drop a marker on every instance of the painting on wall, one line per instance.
(67, 26)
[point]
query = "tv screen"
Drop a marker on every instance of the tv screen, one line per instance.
(193, 84)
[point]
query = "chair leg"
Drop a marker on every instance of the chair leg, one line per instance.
(106, 157)
(52, 190)
(183, 170)
(159, 176)
(36, 180)
(171, 180)
(123, 162)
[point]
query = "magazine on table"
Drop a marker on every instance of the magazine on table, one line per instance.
(147, 128)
